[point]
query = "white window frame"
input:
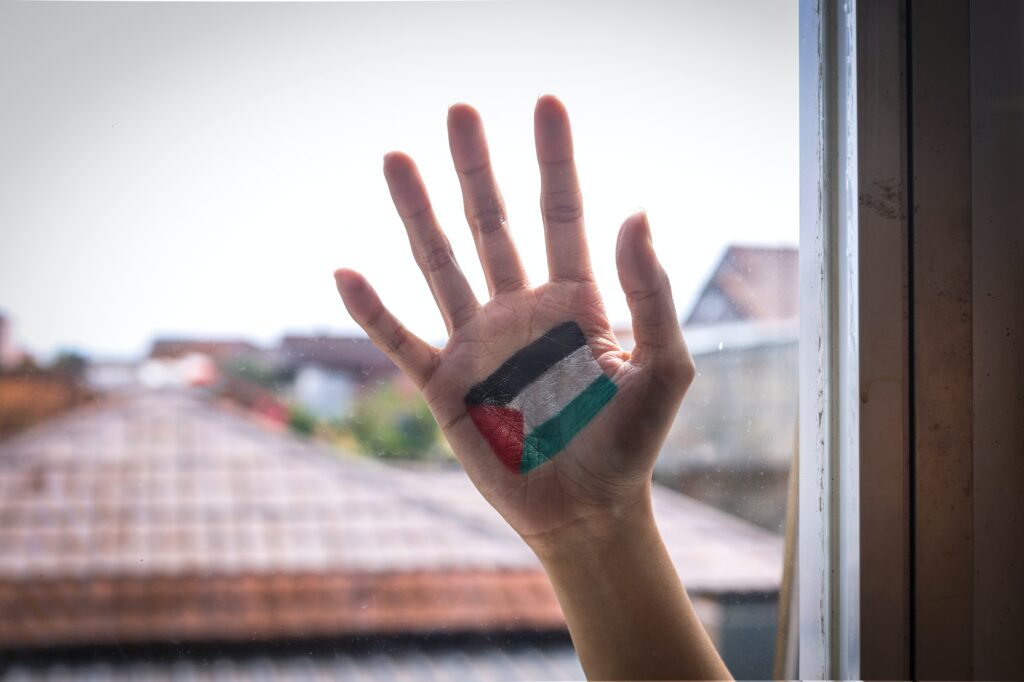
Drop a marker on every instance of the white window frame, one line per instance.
(829, 543)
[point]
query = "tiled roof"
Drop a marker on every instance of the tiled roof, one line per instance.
(219, 348)
(496, 659)
(750, 283)
(357, 356)
(163, 515)
(241, 607)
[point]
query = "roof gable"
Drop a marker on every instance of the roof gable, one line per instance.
(750, 283)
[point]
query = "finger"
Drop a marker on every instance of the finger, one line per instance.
(656, 331)
(430, 247)
(561, 202)
(485, 209)
(413, 355)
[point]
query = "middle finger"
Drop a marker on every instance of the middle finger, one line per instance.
(485, 208)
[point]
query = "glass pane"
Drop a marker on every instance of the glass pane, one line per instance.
(207, 469)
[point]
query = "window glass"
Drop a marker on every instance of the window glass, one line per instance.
(206, 468)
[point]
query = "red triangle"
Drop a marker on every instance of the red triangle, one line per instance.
(502, 427)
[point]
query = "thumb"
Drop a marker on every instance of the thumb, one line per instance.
(659, 340)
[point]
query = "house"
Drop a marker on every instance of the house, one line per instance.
(734, 439)
(320, 373)
(216, 349)
(750, 283)
(191, 362)
(161, 532)
(10, 355)
(329, 371)
(355, 356)
(111, 375)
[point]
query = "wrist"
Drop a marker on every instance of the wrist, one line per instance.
(593, 535)
(627, 611)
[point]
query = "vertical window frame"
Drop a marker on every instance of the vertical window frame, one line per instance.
(829, 476)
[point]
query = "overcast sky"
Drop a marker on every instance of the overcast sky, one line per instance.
(201, 169)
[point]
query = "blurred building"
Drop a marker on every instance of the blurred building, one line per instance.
(217, 349)
(750, 283)
(322, 374)
(163, 534)
(735, 437)
(356, 356)
(7, 350)
(329, 371)
(10, 355)
(112, 375)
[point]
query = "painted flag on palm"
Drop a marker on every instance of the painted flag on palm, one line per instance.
(532, 406)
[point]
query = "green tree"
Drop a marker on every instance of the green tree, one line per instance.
(70, 363)
(301, 421)
(388, 422)
(257, 371)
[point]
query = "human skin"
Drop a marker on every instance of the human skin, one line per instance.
(586, 512)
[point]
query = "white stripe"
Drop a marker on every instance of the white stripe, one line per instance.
(549, 393)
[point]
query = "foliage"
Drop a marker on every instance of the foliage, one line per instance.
(70, 363)
(301, 421)
(390, 422)
(256, 371)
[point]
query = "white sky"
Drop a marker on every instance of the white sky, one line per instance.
(201, 170)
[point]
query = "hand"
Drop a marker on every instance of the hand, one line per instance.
(573, 482)
(553, 421)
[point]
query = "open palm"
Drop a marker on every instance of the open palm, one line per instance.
(604, 467)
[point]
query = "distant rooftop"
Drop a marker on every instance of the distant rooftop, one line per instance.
(750, 283)
(214, 348)
(162, 515)
(354, 355)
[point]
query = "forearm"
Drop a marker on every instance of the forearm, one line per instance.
(628, 613)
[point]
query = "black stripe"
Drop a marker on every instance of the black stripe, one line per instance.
(527, 364)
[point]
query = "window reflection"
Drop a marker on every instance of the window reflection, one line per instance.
(182, 501)
(279, 504)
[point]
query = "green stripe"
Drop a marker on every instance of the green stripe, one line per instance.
(551, 437)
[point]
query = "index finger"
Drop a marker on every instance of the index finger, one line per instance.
(561, 202)
(430, 247)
